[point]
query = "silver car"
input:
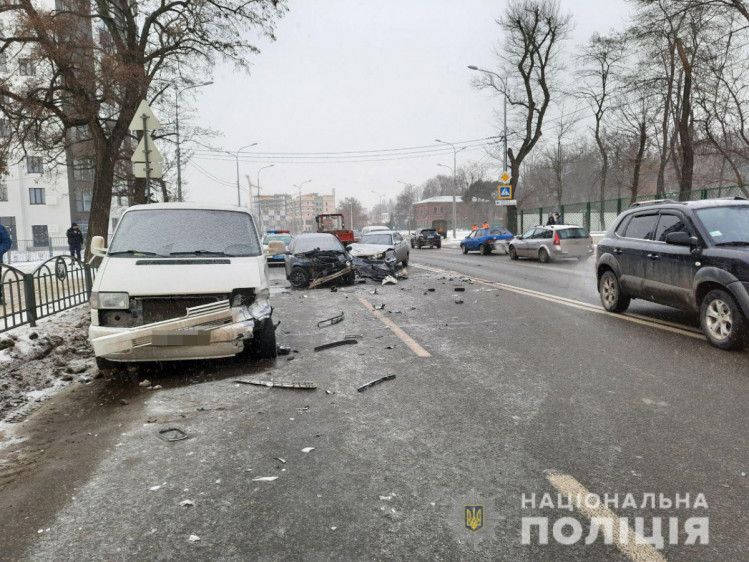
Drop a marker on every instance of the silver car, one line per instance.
(382, 240)
(552, 242)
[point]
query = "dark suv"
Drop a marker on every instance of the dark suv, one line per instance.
(691, 255)
(426, 237)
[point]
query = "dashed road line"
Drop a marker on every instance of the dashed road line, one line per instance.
(634, 318)
(623, 536)
(403, 336)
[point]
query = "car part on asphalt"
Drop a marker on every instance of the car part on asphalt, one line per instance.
(330, 321)
(458, 301)
(459, 289)
(352, 336)
(299, 385)
(172, 433)
(390, 280)
(335, 344)
(370, 384)
(348, 270)
(284, 350)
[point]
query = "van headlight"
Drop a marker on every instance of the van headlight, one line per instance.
(261, 308)
(112, 301)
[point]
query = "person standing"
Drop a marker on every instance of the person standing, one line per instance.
(485, 225)
(5, 243)
(558, 219)
(75, 240)
(474, 227)
(551, 221)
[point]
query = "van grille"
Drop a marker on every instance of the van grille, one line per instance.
(156, 309)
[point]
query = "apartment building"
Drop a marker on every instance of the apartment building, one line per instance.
(307, 206)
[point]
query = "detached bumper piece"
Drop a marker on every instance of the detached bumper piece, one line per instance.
(202, 326)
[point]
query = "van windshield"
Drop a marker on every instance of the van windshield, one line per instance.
(184, 232)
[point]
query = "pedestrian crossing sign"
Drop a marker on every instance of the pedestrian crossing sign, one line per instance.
(505, 192)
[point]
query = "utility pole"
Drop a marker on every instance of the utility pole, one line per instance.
(455, 183)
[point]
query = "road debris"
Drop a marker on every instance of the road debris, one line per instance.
(154, 488)
(390, 280)
(186, 503)
(194, 538)
(283, 349)
(144, 383)
(458, 301)
(172, 433)
(459, 289)
(370, 384)
(124, 402)
(330, 321)
(352, 336)
(279, 459)
(336, 343)
(308, 449)
(265, 479)
(378, 306)
(373, 291)
(300, 385)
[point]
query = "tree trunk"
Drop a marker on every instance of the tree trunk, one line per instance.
(101, 202)
(685, 128)
(604, 172)
(638, 161)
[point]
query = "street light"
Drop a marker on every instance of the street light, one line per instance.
(236, 158)
(472, 67)
(179, 154)
(259, 208)
(455, 182)
(410, 211)
(381, 198)
(299, 188)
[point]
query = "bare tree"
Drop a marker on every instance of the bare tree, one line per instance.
(533, 32)
(91, 64)
(557, 156)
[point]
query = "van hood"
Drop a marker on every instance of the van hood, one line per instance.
(180, 276)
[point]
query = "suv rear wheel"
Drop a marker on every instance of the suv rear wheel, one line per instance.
(612, 297)
(722, 321)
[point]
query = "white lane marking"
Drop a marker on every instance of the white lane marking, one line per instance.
(404, 337)
(636, 319)
(629, 543)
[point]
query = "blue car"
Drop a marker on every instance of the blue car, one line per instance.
(482, 240)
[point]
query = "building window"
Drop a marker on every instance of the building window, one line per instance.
(10, 225)
(36, 196)
(4, 128)
(34, 165)
(3, 191)
(26, 67)
(82, 202)
(40, 234)
(3, 62)
(83, 169)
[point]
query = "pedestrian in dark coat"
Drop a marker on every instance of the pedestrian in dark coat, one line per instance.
(75, 240)
(558, 219)
(5, 242)
(550, 221)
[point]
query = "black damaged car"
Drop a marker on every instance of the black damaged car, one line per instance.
(315, 258)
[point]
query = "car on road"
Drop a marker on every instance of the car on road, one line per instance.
(426, 237)
(181, 281)
(688, 255)
(368, 229)
(283, 236)
(381, 241)
(546, 243)
(482, 240)
(315, 255)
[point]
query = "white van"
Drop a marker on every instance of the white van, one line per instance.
(181, 281)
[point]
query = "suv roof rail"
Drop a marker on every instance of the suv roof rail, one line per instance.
(653, 202)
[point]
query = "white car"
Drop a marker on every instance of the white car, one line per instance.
(379, 242)
(181, 281)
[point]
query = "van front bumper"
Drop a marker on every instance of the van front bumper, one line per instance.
(206, 332)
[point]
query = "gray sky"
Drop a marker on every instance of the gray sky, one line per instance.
(354, 75)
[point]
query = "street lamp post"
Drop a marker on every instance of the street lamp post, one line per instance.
(259, 208)
(381, 199)
(179, 153)
(236, 158)
(410, 211)
(455, 183)
(299, 188)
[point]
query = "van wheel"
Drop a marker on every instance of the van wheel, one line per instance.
(722, 321)
(263, 343)
(513, 253)
(298, 277)
(612, 297)
(543, 255)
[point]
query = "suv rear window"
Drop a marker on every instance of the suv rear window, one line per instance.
(429, 231)
(567, 233)
(642, 227)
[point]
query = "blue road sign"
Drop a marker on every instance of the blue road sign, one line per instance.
(504, 192)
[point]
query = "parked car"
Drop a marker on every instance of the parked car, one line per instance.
(314, 255)
(426, 237)
(181, 281)
(386, 240)
(552, 242)
(482, 239)
(688, 255)
(368, 229)
(280, 236)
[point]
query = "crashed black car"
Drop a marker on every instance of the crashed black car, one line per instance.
(316, 258)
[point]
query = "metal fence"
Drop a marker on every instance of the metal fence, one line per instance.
(32, 251)
(55, 285)
(600, 215)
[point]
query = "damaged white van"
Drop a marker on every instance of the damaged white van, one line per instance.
(181, 281)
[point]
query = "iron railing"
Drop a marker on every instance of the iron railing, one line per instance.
(57, 284)
(23, 251)
(600, 215)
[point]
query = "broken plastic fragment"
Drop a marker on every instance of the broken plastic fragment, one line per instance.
(279, 459)
(374, 382)
(186, 503)
(390, 280)
(308, 449)
(265, 479)
(379, 306)
(194, 538)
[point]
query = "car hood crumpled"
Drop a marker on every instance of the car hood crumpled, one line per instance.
(368, 250)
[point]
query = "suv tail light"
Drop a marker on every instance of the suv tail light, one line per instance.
(556, 238)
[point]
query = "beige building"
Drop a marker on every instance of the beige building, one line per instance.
(308, 206)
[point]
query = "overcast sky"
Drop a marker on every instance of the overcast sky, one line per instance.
(351, 75)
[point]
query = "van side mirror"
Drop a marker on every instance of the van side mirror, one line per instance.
(97, 246)
(348, 248)
(681, 239)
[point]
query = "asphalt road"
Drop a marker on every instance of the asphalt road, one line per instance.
(525, 388)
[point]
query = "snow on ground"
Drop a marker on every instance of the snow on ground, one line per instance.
(36, 362)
